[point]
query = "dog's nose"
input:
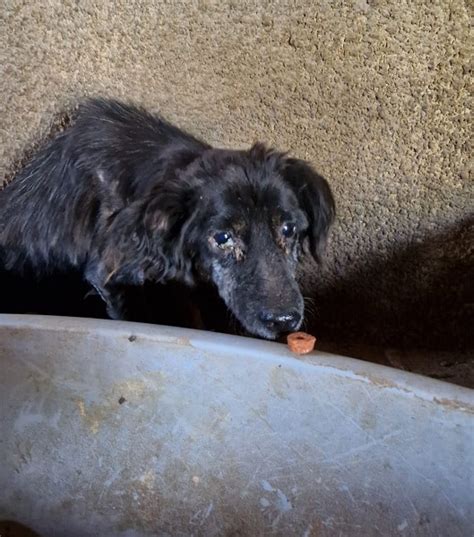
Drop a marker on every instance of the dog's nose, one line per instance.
(283, 321)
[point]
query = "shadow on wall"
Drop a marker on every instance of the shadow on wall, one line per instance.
(421, 296)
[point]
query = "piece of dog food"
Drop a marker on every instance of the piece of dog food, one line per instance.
(301, 343)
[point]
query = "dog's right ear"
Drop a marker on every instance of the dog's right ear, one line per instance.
(166, 210)
(169, 214)
(315, 199)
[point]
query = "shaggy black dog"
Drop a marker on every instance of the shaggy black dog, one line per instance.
(126, 197)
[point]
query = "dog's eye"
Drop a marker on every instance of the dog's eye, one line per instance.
(223, 239)
(288, 230)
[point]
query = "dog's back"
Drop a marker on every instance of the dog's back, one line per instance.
(50, 212)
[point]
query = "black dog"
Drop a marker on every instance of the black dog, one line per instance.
(126, 197)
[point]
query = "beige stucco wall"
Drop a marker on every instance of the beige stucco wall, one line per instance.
(374, 93)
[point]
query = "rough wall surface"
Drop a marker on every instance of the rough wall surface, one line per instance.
(374, 93)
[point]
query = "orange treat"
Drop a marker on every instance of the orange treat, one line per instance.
(301, 343)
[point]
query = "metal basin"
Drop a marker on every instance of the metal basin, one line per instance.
(121, 429)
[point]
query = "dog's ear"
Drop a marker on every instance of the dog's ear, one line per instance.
(168, 217)
(166, 210)
(315, 199)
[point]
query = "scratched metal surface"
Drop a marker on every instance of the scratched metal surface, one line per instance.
(127, 430)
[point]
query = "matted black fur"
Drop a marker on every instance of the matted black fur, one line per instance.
(126, 197)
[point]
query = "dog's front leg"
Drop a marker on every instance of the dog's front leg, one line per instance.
(114, 298)
(115, 303)
(112, 294)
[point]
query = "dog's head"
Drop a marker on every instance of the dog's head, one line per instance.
(242, 218)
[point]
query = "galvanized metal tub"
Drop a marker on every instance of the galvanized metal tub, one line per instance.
(121, 429)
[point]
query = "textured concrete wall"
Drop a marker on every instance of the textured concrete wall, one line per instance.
(374, 93)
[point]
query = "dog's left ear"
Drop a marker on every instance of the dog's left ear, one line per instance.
(315, 199)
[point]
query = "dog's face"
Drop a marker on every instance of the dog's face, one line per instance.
(251, 254)
(252, 214)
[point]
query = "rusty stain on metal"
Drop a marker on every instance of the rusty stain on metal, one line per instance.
(452, 404)
(134, 391)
